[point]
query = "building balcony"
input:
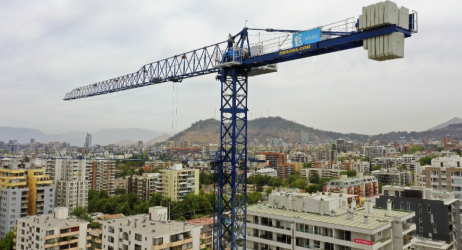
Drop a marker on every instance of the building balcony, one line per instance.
(172, 244)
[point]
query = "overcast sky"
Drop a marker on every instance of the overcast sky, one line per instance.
(48, 48)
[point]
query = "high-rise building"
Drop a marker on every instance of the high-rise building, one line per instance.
(292, 220)
(140, 144)
(25, 190)
(445, 173)
(176, 182)
(341, 145)
(88, 141)
(393, 176)
(143, 186)
(275, 159)
(150, 231)
(437, 214)
(53, 231)
(100, 175)
(307, 137)
(32, 140)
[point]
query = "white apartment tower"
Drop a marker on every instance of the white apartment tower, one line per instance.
(52, 231)
(298, 221)
(150, 231)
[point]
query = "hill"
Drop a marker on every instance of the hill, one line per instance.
(455, 120)
(453, 130)
(263, 129)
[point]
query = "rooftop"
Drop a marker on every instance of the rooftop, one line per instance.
(142, 224)
(201, 221)
(378, 218)
(48, 221)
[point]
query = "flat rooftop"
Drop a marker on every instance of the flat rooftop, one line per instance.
(378, 218)
(47, 221)
(146, 226)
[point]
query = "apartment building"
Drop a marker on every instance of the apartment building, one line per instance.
(299, 221)
(100, 175)
(378, 151)
(53, 231)
(445, 173)
(361, 186)
(176, 182)
(275, 159)
(267, 171)
(73, 179)
(284, 171)
(357, 165)
(326, 154)
(24, 190)
(387, 162)
(149, 231)
(143, 186)
(430, 147)
(321, 172)
(393, 176)
(206, 231)
(437, 214)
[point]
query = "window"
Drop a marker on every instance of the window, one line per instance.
(111, 229)
(138, 237)
(110, 239)
(434, 228)
(428, 208)
(317, 244)
(401, 205)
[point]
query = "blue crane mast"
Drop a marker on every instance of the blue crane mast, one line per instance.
(234, 60)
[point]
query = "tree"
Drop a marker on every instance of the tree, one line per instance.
(269, 191)
(312, 188)
(314, 178)
(439, 149)
(307, 164)
(140, 171)
(7, 242)
(94, 225)
(321, 183)
(380, 187)
(81, 213)
(120, 191)
(427, 160)
(377, 167)
(414, 149)
(349, 173)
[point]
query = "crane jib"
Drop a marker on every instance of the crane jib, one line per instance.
(323, 47)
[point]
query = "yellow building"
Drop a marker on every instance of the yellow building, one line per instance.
(297, 166)
(26, 190)
(176, 182)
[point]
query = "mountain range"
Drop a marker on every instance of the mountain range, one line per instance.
(264, 129)
(77, 138)
(207, 131)
(455, 120)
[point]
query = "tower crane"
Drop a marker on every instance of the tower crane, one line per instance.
(380, 29)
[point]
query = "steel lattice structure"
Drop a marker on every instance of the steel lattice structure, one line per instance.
(233, 65)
